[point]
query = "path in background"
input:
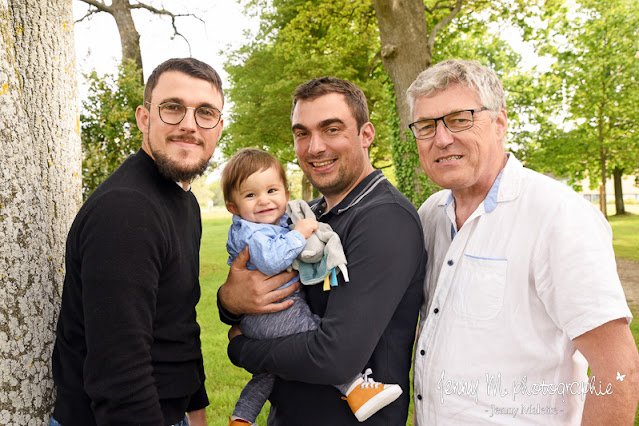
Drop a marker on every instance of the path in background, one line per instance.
(629, 276)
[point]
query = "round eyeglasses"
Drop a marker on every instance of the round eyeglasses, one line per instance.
(457, 121)
(174, 113)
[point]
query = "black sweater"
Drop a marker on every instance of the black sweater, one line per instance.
(127, 345)
(368, 322)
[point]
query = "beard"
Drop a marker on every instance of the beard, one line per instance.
(344, 178)
(174, 169)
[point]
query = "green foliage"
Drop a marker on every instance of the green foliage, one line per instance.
(472, 35)
(208, 195)
(588, 116)
(300, 40)
(109, 131)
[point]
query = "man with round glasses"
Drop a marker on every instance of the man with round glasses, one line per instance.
(127, 345)
(521, 289)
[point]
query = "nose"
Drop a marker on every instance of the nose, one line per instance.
(188, 122)
(262, 200)
(443, 137)
(316, 145)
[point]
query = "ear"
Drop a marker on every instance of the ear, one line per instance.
(142, 118)
(218, 129)
(288, 195)
(367, 133)
(501, 123)
(232, 208)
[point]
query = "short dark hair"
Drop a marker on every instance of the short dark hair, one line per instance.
(188, 66)
(317, 87)
(243, 164)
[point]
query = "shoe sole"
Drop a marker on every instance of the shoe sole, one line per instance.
(378, 402)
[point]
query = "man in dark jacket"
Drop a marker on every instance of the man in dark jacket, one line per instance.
(368, 322)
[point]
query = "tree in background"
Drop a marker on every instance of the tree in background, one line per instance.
(109, 129)
(301, 39)
(592, 93)
(39, 196)
(421, 33)
(129, 36)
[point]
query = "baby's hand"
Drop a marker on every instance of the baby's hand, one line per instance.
(306, 226)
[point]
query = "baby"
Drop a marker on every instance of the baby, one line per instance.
(256, 192)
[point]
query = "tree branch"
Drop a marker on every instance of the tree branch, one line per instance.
(88, 14)
(99, 5)
(172, 15)
(441, 24)
(438, 6)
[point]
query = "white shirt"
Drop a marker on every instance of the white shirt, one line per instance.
(531, 269)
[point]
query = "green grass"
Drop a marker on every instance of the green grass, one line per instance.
(224, 381)
(625, 231)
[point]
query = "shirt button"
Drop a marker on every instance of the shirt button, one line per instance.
(450, 262)
(422, 352)
(436, 310)
(419, 397)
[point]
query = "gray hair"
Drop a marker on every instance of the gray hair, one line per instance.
(483, 80)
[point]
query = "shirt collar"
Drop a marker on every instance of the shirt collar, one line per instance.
(178, 183)
(506, 187)
(356, 195)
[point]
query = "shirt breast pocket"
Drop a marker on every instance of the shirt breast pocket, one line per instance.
(479, 292)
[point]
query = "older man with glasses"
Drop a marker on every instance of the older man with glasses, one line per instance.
(521, 290)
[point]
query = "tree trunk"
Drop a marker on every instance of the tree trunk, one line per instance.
(405, 53)
(620, 208)
(404, 47)
(603, 162)
(407, 50)
(307, 189)
(129, 36)
(39, 196)
(602, 200)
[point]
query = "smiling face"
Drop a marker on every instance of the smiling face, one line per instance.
(182, 151)
(466, 162)
(261, 198)
(331, 151)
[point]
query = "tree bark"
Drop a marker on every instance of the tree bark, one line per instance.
(407, 50)
(129, 36)
(405, 53)
(307, 189)
(617, 175)
(404, 47)
(39, 196)
(603, 163)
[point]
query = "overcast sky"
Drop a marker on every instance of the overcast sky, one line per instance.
(98, 43)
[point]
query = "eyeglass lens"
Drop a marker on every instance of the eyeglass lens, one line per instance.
(456, 122)
(205, 117)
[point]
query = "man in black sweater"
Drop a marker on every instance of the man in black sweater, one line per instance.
(127, 349)
(368, 322)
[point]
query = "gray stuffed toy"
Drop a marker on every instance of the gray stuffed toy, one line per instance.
(323, 253)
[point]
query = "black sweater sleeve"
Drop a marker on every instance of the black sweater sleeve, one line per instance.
(123, 248)
(384, 252)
